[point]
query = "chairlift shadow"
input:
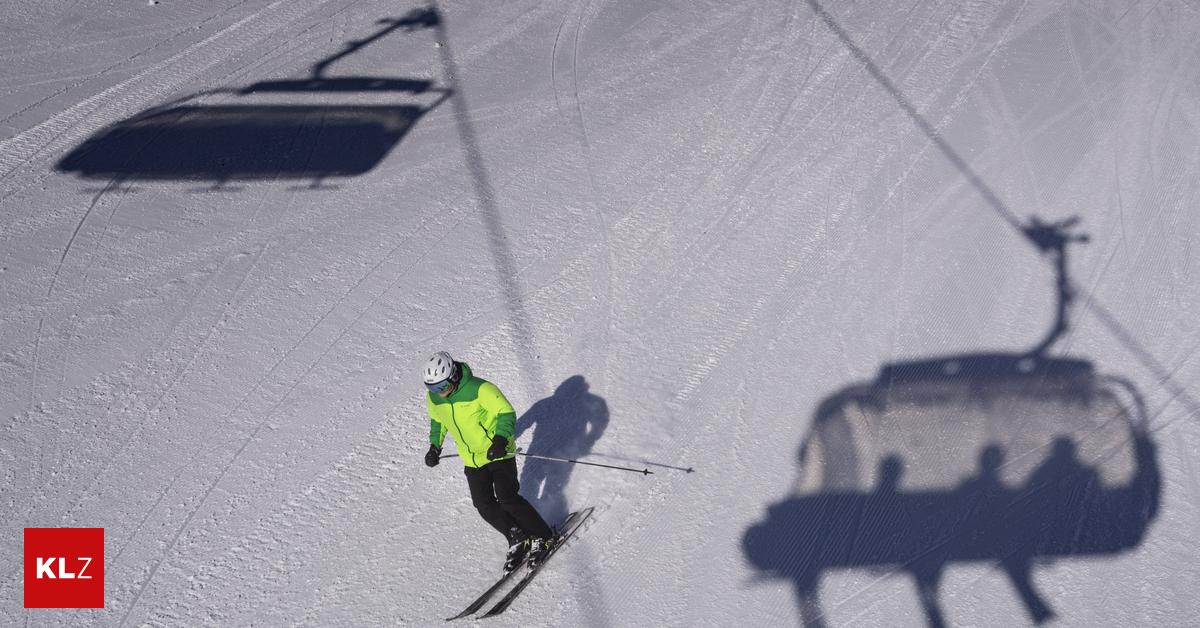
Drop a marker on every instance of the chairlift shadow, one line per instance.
(193, 139)
(1013, 459)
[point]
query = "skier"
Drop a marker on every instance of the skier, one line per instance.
(482, 422)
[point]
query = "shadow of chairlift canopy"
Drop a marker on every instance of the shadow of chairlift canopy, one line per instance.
(989, 458)
(195, 141)
(1013, 459)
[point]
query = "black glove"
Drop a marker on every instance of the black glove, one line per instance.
(433, 455)
(499, 448)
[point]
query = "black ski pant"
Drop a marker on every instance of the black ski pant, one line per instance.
(494, 492)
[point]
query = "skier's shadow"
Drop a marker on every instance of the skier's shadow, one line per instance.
(565, 425)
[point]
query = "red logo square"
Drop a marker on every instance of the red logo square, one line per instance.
(64, 567)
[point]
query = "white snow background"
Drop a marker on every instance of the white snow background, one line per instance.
(697, 221)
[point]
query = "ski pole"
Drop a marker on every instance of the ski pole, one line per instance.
(592, 464)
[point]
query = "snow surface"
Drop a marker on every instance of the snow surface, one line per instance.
(678, 234)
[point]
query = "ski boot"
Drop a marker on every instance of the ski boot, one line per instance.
(539, 550)
(518, 549)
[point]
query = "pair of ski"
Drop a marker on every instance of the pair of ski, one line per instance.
(562, 534)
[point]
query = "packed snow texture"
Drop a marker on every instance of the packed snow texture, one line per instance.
(819, 252)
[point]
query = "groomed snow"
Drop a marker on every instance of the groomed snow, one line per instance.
(784, 244)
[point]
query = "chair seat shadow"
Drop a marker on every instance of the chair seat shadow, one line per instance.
(341, 84)
(239, 142)
(989, 458)
(240, 137)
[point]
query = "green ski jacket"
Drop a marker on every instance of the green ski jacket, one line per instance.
(474, 413)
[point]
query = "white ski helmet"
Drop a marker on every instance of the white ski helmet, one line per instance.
(439, 368)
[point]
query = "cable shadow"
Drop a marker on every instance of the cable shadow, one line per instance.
(1006, 458)
(995, 458)
(485, 195)
(193, 139)
(1164, 376)
(568, 424)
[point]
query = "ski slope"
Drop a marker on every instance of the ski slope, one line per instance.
(789, 245)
